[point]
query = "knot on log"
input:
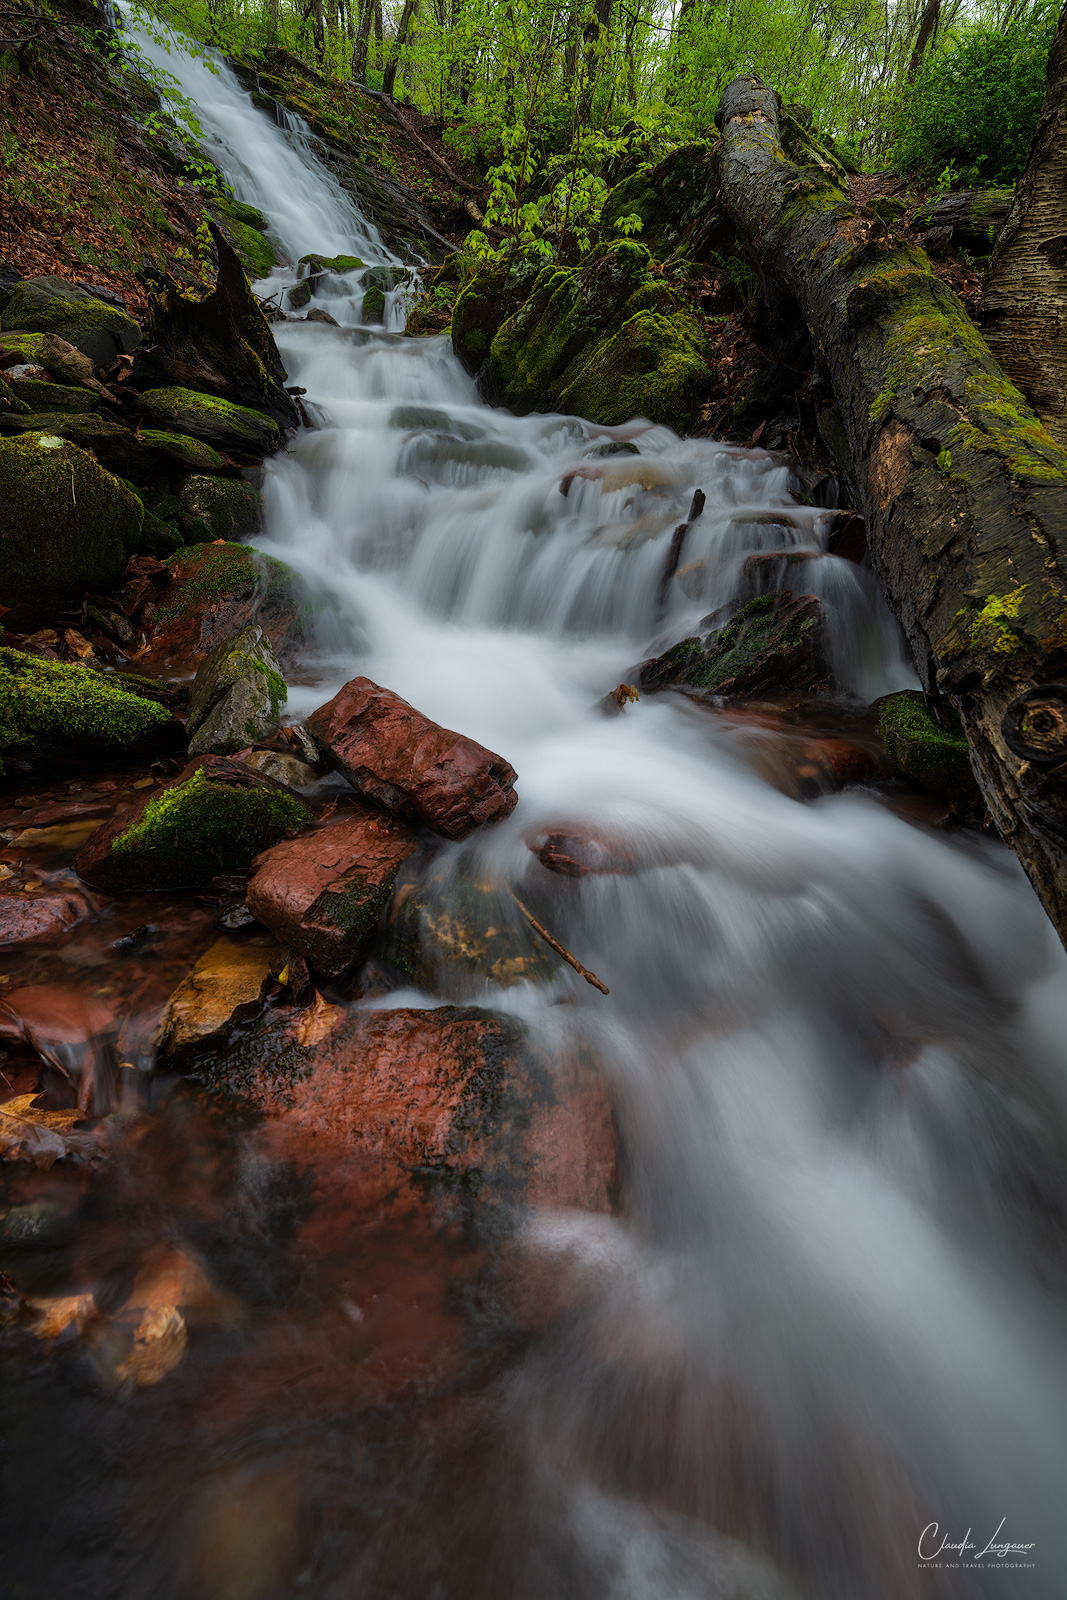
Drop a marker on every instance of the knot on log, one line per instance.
(1035, 724)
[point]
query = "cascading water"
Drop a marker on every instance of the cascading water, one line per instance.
(832, 1315)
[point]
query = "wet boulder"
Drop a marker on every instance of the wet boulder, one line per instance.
(231, 507)
(51, 305)
(224, 988)
(451, 1109)
(655, 366)
(208, 592)
(236, 430)
(324, 894)
(212, 819)
(221, 345)
(67, 523)
(55, 356)
(492, 294)
(237, 695)
(577, 852)
(37, 395)
(398, 758)
(776, 644)
(925, 742)
(50, 708)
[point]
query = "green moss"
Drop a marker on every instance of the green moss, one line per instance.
(373, 309)
(922, 749)
(67, 524)
(655, 366)
(230, 506)
(192, 455)
(256, 253)
(989, 626)
(672, 199)
(332, 263)
(209, 573)
(44, 703)
(199, 828)
(236, 430)
(49, 305)
(225, 206)
(43, 396)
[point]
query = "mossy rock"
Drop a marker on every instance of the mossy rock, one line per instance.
(655, 366)
(10, 402)
(115, 447)
(48, 706)
(214, 819)
(332, 263)
(39, 396)
(57, 356)
(51, 305)
(231, 507)
(538, 350)
(493, 294)
(218, 589)
(300, 296)
(776, 644)
(160, 538)
(387, 277)
(235, 430)
(373, 307)
(67, 524)
(254, 250)
(225, 206)
(671, 198)
(237, 695)
(178, 450)
(932, 753)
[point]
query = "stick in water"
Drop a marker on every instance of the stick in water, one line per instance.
(590, 977)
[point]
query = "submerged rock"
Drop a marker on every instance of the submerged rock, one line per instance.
(416, 769)
(224, 988)
(38, 919)
(237, 695)
(67, 524)
(52, 708)
(324, 894)
(234, 429)
(213, 819)
(932, 753)
(215, 590)
(448, 932)
(775, 644)
(51, 305)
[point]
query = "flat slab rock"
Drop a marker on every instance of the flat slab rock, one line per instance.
(324, 893)
(414, 768)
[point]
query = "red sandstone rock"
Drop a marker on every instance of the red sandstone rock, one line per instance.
(32, 919)
(324, 893)
(575, 853)
(447, 1107)
(413, 767)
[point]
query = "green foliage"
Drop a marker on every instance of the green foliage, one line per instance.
(971, 112)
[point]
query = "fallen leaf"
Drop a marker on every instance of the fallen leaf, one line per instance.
(49, 1317)
(29, 1130)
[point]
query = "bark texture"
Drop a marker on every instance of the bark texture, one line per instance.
(1024, 302)
(963, 487)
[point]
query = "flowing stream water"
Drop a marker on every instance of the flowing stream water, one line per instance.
(833, 1311)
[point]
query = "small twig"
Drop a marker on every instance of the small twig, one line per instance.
(573, 961)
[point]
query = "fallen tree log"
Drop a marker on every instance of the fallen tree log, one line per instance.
(963, 488)
(1024, 298)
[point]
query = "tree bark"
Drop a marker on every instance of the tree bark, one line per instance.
(963, 488)
(407, 17)
(1024, 303)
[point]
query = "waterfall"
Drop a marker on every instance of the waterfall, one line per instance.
(837, 1039)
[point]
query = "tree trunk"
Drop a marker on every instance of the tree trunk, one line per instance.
(927, 32)
(1024, 304)
(359, 48)
(407, 16)
(963, 488)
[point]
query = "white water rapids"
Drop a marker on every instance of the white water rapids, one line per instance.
(837, 1039)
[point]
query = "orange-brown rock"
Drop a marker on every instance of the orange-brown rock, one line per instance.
(324, 894)
(209, 593)
(577, 853)
(223, 988)
(416, 769)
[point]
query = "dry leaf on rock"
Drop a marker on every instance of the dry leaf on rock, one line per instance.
(29, 1132)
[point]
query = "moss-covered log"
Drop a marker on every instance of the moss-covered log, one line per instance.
(963, 487)
(1024, 304)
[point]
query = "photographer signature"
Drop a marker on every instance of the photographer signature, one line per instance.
(933, 1543)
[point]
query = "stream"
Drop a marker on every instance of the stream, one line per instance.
(830, 1313)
